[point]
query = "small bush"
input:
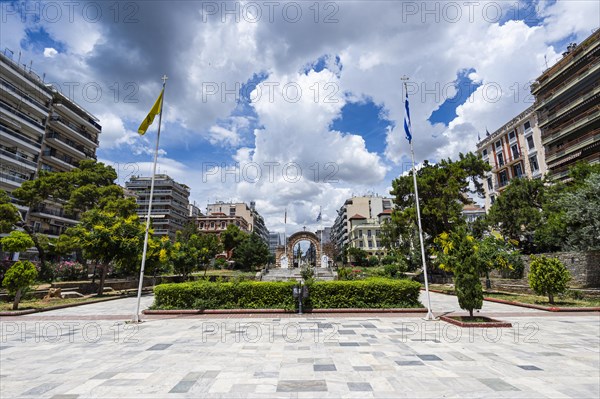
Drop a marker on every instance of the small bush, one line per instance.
(68, 271)
(388, 260)
(371, 293)
(373, 261)
(548, 276)
(18, 279)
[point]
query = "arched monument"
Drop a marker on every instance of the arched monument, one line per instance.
(292, 241)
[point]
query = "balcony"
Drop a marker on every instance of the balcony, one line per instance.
(74, 129)
(571, 125)
(20, 139)
(68, 146)
(34, 124)
(19, 160)
(60, 214)
(574, 145)
(25, 97)
(85, 120)
(63, 161)
(567, 85)
(567, 107)
(10, 180)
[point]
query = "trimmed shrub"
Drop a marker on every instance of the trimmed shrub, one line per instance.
(371, 293)
(68, 270)
(368, 293)
(373, 261)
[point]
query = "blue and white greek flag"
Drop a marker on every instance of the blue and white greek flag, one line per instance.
(319, 216)
(407, 126)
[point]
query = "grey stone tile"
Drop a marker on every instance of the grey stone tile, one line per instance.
(42, 389)
(210, 374)
(245, 388)
(498, 384)
(360, 387)
(105, 375)
(121, 382)
(550, 353)
(529, 367)
(305, 360)
(363, 368)
(182, 386)
(429, 358)
(193, 376)
(302, 386)
(159, 347)
(346, 332)
(324, 367)
(65, 396)
(349, 344)
(409, 363)
(266, 374)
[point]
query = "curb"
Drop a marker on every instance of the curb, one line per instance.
(57, 307)
(492, 324)
(279, 311)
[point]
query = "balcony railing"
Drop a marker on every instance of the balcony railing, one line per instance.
(16, 179)
(52, 134)
(75, 128)
(21, 93)
(10, 132)
(19, 158)
(21, 115)
(54, 212)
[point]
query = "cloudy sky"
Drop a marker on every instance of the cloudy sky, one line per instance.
(293, 105)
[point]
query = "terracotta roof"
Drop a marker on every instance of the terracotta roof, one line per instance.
(385, 212)
(357, 216)
(472, 207)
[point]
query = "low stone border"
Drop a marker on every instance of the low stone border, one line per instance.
(267, 311)
(491, 324)
(69, 305)
(540, 307)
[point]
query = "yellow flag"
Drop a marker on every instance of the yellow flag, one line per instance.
(153, 112)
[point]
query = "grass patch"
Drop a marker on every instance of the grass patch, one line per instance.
(27, 304)
(543, 301)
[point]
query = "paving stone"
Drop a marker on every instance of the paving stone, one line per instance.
(105, 375)
(324, 367)
(267, 374)
(409, 363)
(65, 396)
(346, 332)
(42, 389)
(159, 347)
(182, 386)
(429, 358)
(498, 384)
(363, 368)
(349, 344)
(302, 386)
(210, 374)
(529, 367)
(360, 387)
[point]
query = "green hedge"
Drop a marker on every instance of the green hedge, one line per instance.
(370, 293)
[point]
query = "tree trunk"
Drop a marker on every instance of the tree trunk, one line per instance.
(17, 299)
(551, 298)
(94, 272)
(471, 313)
(45, 274)
(102, 279)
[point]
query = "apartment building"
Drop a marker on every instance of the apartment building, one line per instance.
(255, 222)
(514, 150)
(365, 233)
(275, 241)
(359, 211)
(40, 129)
(169, 203)
(567, 102)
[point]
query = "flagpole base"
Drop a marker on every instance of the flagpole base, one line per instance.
(430, 316)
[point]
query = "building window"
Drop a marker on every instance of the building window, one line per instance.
(499, 144)
(369, 233)
(512, 136)
(231, 211)
(484, 153)
(515, 151)
(370, 244)
(534, 163)
(492, 199)
(489, 182)
(530, 143)
(500, 160)
(360, 244)
(527, 125)
(360, 233)
(212, 225)
(378, 244)
(202, 225)
(503, 178)
(518, 170)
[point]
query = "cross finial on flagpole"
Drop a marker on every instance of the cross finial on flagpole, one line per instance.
(164, 79)
(405, 79)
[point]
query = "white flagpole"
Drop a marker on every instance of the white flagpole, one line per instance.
(430, 315)
(321, 244)
(136, 316)
(285, 232)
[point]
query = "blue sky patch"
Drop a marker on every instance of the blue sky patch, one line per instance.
(39, 39)
(464, 88)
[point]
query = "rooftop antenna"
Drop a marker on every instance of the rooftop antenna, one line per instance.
(30, 64)
(546, 60)
(19, 61)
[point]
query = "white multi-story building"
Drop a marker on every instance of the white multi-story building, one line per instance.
(255, 222)
(361, 214)
(169, 203)
(514, 150)
(40, 129)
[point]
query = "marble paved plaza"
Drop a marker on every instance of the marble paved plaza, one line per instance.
(89, 352)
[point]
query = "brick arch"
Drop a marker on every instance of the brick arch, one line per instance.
(305, 236)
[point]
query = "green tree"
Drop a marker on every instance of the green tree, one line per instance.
(517, 213)
(252, 252)
(9, 214)
(358, 256)
(22, 274)
(582, 215)
(443, 190)
(548, 276)
(232, 237)
(373, 261)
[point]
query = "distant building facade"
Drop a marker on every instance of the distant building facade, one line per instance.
(356, 218)
(567, 102)
(514, 150)
(234, 212)
(169, 203)
(275, 241)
